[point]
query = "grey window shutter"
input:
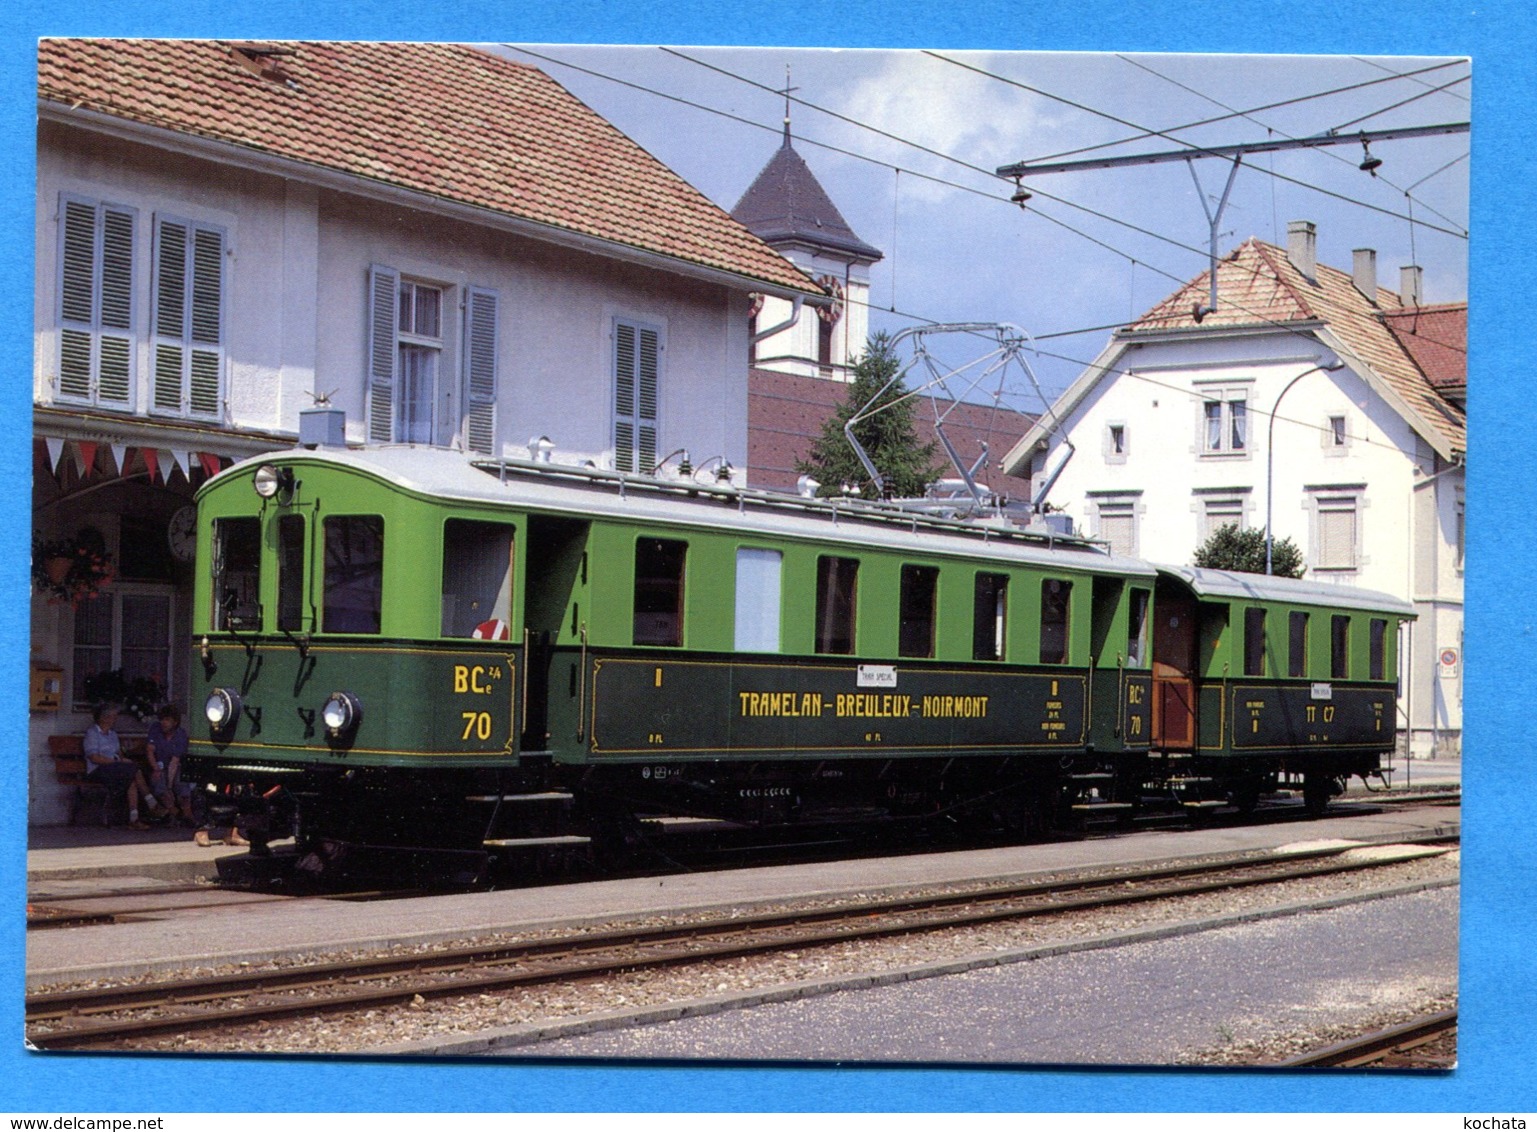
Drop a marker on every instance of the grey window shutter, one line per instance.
(96, 302)
(480, 371)
(207, 329)
(637, 369)
(188, 319)
(170, 318)
(383, 355)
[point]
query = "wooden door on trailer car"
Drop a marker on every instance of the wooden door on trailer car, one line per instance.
(1174, 661)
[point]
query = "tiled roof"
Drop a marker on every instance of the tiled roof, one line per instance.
(1258, 286)
(1436, 338)
(449, 121)
(785, 413)
(786, 202)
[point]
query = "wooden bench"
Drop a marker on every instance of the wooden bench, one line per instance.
(68, 753)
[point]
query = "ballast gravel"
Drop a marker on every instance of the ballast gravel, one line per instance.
(445, 1025)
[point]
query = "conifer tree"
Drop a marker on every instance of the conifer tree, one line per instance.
(1232, 548)
(889, 435)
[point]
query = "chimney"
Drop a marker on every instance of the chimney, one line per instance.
(1363, 272)
(1411, 284)
(1302, 247)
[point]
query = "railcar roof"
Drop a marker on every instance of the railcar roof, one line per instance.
(446, 474)
(1295, 591)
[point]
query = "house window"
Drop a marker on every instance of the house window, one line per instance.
(1339, 648)
(837, 586)
(96, 346)
(659, 564)
(1116, 519)
(758, 583)
(1336, 439)
(1115, 443)
(920, 584)
(1056, 604)
(1224, 422)
(1297, 661)
(188, 319)
(477, 579)
(354, 574)
(1254, 642)
(1337, 528)
(989, 616)
(1220, 511)
(129, 630)
(824, 347)
(1460, 534)
(409, 340)
(637, 377)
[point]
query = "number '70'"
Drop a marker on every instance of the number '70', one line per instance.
(478, 722)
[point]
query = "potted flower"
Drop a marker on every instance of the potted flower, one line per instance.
(139, 697)
(71, 569)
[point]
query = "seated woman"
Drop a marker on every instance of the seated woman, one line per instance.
(104, 762)
(166, 745)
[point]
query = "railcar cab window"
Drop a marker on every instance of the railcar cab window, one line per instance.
(354, 574)
(1136, 628)
(290, 573)
(659, 567)
(1254, 642)
(916, 636)
(1056, 604)
(1339, 648)
(1379, 650)
(237, 574)
(1297, 658)
(477, 579)
(989, 616)
(837, 586)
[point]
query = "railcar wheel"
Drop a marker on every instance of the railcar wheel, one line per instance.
(1317, 789)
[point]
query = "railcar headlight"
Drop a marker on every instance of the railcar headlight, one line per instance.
(222, 709)
(271, 480)
(341, 714)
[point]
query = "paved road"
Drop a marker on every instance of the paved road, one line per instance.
(1139, 1005)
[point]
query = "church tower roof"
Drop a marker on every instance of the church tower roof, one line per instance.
(786, 204)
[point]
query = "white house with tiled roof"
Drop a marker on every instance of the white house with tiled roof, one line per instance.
(1310, 399)
(443, 244)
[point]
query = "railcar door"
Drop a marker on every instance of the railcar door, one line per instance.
(553, 592)
(1174, 661)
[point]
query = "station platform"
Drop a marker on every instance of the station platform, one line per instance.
(321, 928)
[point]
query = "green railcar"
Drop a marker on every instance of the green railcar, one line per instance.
(404, 648)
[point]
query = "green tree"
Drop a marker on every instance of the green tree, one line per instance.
(889, 435)
(1233, 548)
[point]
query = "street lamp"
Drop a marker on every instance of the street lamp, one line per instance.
(1329, 366)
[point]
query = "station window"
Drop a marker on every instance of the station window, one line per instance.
(837, 584)
(1056, 603)
(1254, 642)
(1339, 648)
(354, 574)
(989, 617)
(1136, 628)
(1379, 650)
(659, 564)
(290, 572)
(477, 579)
(237, 574)
(919, 585)
(1297, 662)
(758, 576)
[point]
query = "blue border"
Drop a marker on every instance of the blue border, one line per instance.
(1499, 992)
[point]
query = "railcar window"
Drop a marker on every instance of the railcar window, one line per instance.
(916, 635)
(1379, 650)
(1297, 661)
(237, 554)
(290, 572)
(1254, 642)
(1136, 628)
(477, 579)
(837, 583)
(354, 574)
(659, 591)
(758, 574)
(989, 616)
(1056, 603)
(1339, 648)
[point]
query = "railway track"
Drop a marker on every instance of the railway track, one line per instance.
(104, 1017)
(1428, 1042)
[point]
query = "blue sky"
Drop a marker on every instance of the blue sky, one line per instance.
(906, 143)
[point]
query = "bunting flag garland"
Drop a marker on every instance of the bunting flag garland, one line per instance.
(159, 463)
(210, 463)
(55, 452)
(87, 458)
(120, 458)
(180, 461)
(151, 462)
